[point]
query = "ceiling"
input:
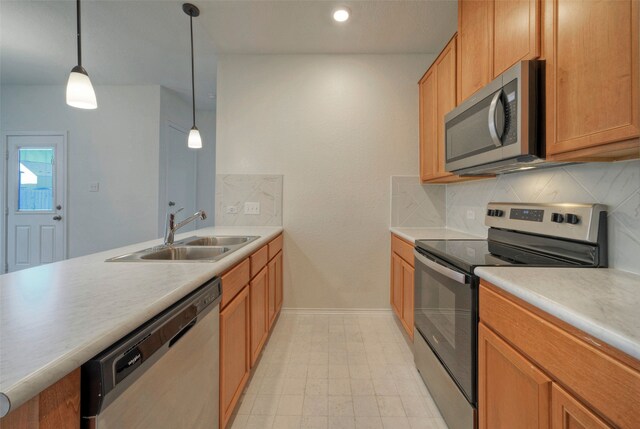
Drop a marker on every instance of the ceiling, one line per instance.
(147, 42)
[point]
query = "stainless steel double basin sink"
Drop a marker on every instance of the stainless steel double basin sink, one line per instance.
(193, 249)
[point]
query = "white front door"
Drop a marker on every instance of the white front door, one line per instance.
(36, 183)
(181, 175)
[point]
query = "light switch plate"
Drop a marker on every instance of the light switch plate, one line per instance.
(252, 208)
(94, 186)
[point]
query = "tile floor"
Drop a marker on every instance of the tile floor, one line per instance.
(336, 371)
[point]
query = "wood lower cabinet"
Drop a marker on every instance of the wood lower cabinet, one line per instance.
(592, 58)
(258, 295)
(235, 354)
(401, 296)
(568, 413)
(272, 290)
(56, 407)
(535, 370)
(279, 281)
(512, 393)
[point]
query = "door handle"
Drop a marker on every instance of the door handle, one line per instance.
(496, 134)
(445, 271)
(57, 217)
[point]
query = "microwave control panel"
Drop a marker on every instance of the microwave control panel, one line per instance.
(510, 113)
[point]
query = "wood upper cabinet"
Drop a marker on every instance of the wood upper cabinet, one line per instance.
(512, 393)
(401, 293)
(235, 356)
(592, 77)
(437, 98)
(515, 33)
(474, 46)
(58, 406)
(258, 295)
(568, 413)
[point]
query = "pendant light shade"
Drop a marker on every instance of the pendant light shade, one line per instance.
(194, 141)
(80, 92)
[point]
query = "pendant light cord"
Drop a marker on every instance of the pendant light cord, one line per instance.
(78, 25)
(193, 85)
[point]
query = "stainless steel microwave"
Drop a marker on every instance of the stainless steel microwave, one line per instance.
(497, 129)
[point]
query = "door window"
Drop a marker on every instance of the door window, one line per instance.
(36, 179)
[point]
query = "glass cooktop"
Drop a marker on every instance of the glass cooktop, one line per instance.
(468, 254)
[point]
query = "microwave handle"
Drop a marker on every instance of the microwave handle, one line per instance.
(493, 126)
(445, 271)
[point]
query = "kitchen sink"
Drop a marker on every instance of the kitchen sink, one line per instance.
(192, 249)
(215, 241)
(186, 254)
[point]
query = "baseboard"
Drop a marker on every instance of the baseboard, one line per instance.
(350, 311)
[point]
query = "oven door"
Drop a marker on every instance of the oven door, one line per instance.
(446, 314)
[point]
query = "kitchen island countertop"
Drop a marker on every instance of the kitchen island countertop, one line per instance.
(55, 317)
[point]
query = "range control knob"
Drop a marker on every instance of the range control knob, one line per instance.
(498, 213)
(557, 217)
(572, 219)
(491, 212)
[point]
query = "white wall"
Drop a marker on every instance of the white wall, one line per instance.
(205, 194)
(336, 127)
(115, 145)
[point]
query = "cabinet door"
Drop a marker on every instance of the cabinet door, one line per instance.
(272, 287)
(474, 46)
(591, 51)
(258, 295)
(568, 413)
(512, 392)
(428, 126)
(234, 353)
(397, 276)
(279, 281)
(407, 298)
(516, 33)
(446, 98)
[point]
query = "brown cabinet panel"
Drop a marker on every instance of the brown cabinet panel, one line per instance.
(234, 353)
(275, 246)
(516, 33)
(58, 406)
(446, 98)
(259, 260)
(272, 287)
(428, 126)
(407, 298)
(512, 392)
(259, 328)
(397, 274)
(592, 76)
(279, 281)
(474, 46)
(568, 413)
(234, 280)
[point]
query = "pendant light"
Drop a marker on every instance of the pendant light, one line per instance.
(194, 141)
(80, 92)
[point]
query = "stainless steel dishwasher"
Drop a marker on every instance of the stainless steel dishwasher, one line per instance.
(162, 375)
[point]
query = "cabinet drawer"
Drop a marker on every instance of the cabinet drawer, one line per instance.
(275, 246)
(234, 280)
(258, 260)
(602, 382)
(402, 248)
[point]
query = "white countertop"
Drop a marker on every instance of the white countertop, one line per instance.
(55, 317)
(413, 234)
(602, 302)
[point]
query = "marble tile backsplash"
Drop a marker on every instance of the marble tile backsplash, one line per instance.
(416, 205)
(234, 190)
(616, 185)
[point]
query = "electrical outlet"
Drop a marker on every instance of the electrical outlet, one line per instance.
(252, 208)
(232, 210)
(471, 214)
(94, 187)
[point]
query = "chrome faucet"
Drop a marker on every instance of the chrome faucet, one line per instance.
(172, 226)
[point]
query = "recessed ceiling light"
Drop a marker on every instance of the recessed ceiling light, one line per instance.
(341, 14)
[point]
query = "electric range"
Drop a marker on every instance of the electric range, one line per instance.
(446, 288)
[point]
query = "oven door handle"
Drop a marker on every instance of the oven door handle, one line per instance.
(445, 271)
